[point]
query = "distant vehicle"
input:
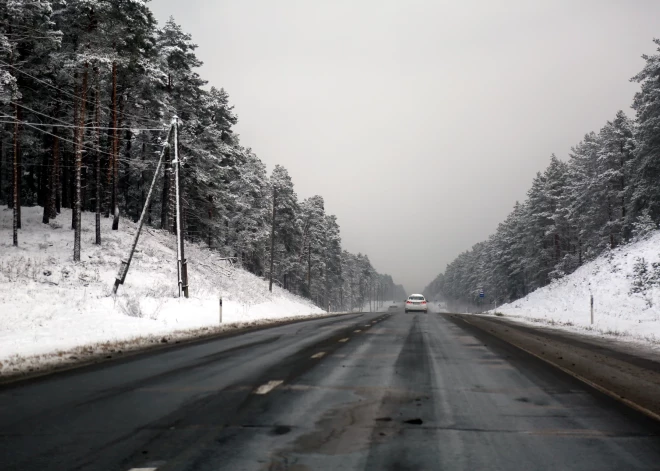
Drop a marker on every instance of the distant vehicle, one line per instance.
(393, 307)
(416, 302)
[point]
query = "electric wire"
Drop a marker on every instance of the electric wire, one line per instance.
(64, 91)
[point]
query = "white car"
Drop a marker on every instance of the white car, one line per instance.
(416, 302)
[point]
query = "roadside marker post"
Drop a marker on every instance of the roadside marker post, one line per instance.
(592, 309)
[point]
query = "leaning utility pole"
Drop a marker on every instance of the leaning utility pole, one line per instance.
(181, 269)
(125, 264)
(272, 241)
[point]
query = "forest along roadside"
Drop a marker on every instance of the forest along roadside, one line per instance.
(628, 372)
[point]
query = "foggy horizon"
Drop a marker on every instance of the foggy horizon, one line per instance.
(419, 124)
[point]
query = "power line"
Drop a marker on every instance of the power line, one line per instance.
(73, 126)
(38, 112)
(53, 135)
(64, 91)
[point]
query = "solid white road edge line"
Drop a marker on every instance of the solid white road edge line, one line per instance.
(268, 387)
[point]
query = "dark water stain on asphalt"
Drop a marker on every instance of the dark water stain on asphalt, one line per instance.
(281, 430)
(416, 421)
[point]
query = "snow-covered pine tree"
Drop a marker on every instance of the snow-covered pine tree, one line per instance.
(312, 217)
(647, 160)
(286, 234)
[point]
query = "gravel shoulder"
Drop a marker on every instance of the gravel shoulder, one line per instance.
(627, 372)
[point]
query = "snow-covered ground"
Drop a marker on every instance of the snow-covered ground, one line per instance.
(51, 306)
(618, 311)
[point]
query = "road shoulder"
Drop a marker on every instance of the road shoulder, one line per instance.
(31, 368)
(630, 376)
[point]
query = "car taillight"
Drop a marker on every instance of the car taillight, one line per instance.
(408, 302)
(423, 302)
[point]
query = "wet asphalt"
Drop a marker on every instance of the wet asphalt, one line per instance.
(373, 392)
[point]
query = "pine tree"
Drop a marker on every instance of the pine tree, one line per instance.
(647, 164)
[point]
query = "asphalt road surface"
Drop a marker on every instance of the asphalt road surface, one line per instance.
(371, 392)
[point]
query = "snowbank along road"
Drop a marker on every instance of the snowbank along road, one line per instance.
(366, 392)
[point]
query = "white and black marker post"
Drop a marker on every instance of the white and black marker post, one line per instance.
(125, 264)
(592, 308)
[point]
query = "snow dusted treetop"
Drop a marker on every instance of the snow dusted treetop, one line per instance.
(647, 106)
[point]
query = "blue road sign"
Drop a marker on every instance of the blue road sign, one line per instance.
(481, 293)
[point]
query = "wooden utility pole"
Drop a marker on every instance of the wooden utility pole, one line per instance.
(97, 120)
(79, 156)
(272, 240)
(181, 268)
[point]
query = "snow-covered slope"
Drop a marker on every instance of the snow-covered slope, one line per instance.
(618, 309)
(48, 303)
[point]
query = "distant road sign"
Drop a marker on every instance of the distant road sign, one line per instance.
(481, 293)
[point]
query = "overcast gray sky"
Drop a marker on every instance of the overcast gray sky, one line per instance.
(419, 122)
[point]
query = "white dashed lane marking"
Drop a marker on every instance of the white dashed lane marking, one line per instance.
(268, 387)
(344, 340)
(143, 469)
(357, 331)
(318, 355)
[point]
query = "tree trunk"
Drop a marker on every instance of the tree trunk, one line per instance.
(210, 197)
(79, 156)
(2, 159)
(97, 186)
(115, 150)
(125, 183)
(58, 174)
(16, 179)
(624, 229)
(19, 181)
(171, 217)
(309, 266)
(110, 170)
(142, 180)
(272, 241)
(73, 161)
(53, 207)
(610, 216)
(47, 178)
(579, 253)
(43, 173)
